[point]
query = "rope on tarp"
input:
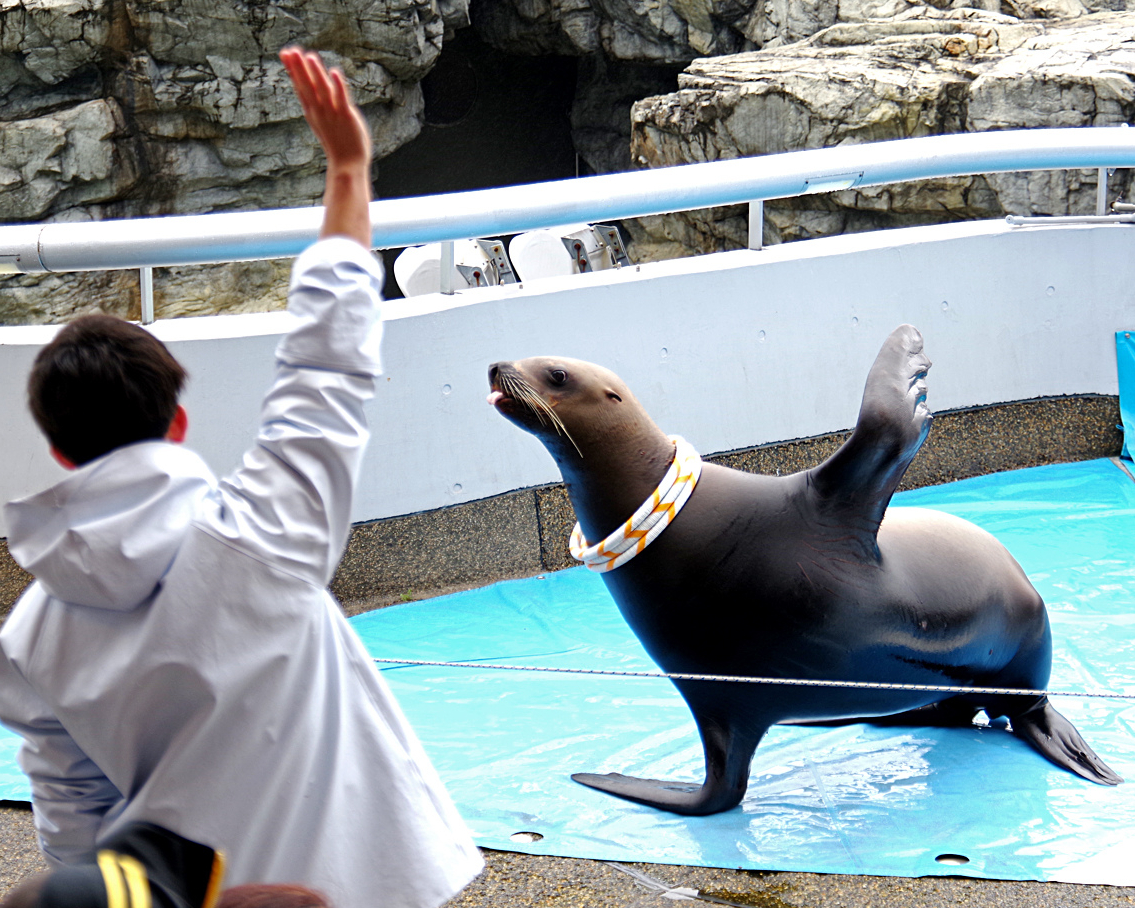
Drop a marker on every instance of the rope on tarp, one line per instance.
(682, 894)
(792, 682)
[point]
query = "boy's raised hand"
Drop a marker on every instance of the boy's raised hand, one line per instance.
(339, 126)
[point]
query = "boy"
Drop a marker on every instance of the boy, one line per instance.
(178, 660)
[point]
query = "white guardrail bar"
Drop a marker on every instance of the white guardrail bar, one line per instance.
(280, 233)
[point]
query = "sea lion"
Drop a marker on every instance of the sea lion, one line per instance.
(802, 576)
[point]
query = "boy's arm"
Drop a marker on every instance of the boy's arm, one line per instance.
(343, 133)
(70, 794)
(290, 500)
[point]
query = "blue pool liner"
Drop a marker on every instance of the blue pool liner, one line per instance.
(856, 799)
(1125, 366)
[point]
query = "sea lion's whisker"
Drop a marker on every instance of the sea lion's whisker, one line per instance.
(541, 407)
(560, 427)
(519, 389)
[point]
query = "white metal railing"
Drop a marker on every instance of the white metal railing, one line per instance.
(243, 236)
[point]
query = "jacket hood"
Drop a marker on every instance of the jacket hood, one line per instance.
(106, 535)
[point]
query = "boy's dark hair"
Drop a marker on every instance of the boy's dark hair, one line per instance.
(272, 895)
(103, 383)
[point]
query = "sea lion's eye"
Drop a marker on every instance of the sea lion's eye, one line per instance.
(558, 376)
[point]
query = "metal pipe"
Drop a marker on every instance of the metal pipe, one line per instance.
(756, 225)
(146, 286)
(242, 236)
(1101, 191)
(1016, 220)
(446, 266)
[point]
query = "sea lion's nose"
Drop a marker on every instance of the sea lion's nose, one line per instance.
(494, 371)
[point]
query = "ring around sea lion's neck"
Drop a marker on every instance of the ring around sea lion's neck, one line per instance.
(648, 522)
(610, 453)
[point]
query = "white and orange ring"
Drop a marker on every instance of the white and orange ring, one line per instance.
(652, 517)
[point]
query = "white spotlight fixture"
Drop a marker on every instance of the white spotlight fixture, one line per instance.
(570, 249)
(476, 263)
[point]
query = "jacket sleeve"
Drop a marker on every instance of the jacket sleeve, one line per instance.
(70, 794)
(289, 501)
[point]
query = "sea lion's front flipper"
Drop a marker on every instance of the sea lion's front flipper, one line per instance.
(893, 422)
(1057, 739)
(728, 755)
(687, 798)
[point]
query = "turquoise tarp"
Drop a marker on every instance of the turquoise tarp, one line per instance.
(848, 800)
(1125, 366)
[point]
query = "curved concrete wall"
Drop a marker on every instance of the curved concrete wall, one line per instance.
(730, 350)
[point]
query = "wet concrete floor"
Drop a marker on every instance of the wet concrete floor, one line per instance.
(524, 881)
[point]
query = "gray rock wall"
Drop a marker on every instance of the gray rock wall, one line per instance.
(640, 31)
(126, 108)
(135, 107)
(924, 72)
(117, 108)
(184, 291)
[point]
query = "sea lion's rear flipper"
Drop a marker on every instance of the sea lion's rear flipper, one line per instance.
(1057, 739)
(728, 755)
(893, 422)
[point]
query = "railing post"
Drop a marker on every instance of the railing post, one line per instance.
(757, 224)
(146, 283)
(447, 267)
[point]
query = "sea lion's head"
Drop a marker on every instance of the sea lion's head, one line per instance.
(569, 404)
(609, 450)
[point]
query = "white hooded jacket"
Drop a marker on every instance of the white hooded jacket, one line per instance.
(179, 661)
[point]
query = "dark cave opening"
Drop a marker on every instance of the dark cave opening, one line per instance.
(492, 119)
